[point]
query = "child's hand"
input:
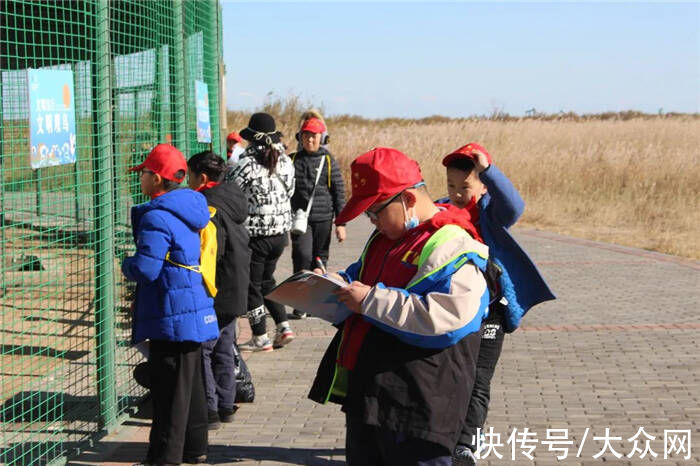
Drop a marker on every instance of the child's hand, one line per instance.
(353, 295)
(336, 276)
(481, 162)
(340, 233)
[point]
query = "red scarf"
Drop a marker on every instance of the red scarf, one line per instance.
(208, 185)
(466, 217)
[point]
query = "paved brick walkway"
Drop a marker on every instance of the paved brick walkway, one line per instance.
(618, 350)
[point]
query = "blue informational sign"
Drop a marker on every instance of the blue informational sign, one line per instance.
(52, 133)
(201, 97)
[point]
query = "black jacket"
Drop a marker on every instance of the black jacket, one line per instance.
(404, 389)
(328, 200)
(233, 261)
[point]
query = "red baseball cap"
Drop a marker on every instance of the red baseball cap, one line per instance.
(466, 152)
(376, 176)
(234, 136)
(166, 160)
(313, 125)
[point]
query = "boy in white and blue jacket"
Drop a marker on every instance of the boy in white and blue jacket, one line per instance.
(172, 309)
(478, 187)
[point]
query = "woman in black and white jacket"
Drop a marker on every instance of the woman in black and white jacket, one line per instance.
(266, 176)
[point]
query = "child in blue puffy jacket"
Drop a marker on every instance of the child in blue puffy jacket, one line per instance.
(494, 205)
(172, 308)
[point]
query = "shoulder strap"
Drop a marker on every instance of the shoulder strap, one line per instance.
(318, 175)
(445, 233)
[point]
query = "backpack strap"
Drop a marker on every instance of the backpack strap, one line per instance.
(492, 274)
(328, 161)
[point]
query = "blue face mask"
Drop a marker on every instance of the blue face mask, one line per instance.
(412, 221)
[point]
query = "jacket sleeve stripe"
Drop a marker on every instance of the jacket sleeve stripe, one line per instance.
(442, 340)
(418, 319)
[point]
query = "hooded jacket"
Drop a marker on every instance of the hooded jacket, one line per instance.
(329, 193)
(233, 255)
(171, 301)
(521, 283)
(500, 208)
(407, 362)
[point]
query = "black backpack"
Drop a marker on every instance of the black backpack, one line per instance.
(245, 390)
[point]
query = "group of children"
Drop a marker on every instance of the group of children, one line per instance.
(190, 330)
(437, 286)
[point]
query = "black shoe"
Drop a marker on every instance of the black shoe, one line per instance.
(297, 314)
(214, 421)
(226, 415)
(194, 459)
(142, 374)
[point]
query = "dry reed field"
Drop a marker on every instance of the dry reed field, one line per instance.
(634, 182)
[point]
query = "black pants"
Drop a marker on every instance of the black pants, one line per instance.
(314, 243)
(179, 425)
(265, 252)
(489, 353)
(367, 445)
(219, 367)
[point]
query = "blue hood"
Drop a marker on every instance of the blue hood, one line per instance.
(188, 206)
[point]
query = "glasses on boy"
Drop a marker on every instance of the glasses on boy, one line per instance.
(374, 215)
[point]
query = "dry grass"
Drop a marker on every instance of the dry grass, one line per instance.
(634, 182)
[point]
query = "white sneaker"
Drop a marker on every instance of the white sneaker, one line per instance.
(283, 337)
(256, 344)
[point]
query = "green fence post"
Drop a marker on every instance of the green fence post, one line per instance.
(221, 70)
(163, 102)
(180, 138)
(37, 180)
(76, 190)
(212, 34)
(156, 108)
(76, 179)
(104, 221)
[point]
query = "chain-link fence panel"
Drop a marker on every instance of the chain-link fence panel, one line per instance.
(65, 319)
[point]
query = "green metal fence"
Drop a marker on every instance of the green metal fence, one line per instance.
(65, 355)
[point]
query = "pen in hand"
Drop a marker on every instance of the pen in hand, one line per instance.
(320, 265)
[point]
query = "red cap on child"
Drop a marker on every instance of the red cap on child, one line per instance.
(234, 136)
(466, 152)
(165, 160)
(376, 176)
(313, 125)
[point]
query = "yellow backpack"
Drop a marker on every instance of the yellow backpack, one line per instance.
(207, 255)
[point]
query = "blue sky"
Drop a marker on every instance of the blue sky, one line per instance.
(458, 59)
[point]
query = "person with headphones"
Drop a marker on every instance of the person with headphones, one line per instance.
(320, 192)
